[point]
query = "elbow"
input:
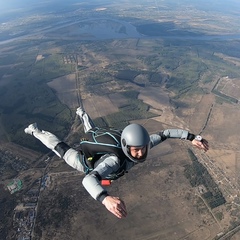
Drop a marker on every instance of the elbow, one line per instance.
(84, 182)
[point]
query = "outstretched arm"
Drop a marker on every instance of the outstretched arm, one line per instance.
(196, 140)
(92, 183)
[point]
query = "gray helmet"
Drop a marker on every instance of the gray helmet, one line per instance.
(134, 135)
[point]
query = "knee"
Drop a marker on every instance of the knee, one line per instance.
(62, 148)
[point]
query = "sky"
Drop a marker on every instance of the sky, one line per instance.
(10, 9)
(7, 5)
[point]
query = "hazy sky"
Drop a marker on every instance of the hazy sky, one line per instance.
(14, 8)
(15, 4)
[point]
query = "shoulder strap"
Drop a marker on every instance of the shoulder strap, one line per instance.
(100, 142)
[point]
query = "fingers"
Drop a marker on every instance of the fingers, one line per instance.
(116, 206)
(201, 145)
(205, 144)
(120, 209)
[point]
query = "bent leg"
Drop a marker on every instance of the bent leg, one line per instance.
(47, 138)
(73, 158)
(85, 119)
(61, 149)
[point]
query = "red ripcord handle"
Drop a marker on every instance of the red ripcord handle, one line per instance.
(106, 182)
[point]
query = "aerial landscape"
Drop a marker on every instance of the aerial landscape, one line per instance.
(164, 64)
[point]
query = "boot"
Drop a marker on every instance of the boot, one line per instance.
(80, 111)
(47, 138)
(85, 119)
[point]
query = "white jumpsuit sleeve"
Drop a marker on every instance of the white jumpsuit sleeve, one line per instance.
(91, 182)
(157, 138)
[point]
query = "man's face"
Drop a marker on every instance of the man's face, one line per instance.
(138, 152)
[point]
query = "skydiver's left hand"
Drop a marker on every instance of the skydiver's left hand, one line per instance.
(201, 145)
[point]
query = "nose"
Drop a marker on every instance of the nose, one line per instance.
(140, 152)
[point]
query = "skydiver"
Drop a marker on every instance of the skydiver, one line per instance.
(134, 146)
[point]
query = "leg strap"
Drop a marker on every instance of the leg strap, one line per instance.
(62, 148)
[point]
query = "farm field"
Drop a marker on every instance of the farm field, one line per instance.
(124, 73)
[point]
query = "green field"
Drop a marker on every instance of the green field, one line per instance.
(179, 66)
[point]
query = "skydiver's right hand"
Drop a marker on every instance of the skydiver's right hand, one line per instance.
(116, 206)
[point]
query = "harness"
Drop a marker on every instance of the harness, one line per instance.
(98, 145)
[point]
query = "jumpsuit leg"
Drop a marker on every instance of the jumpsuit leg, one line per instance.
(85, 119)
(61, 149)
